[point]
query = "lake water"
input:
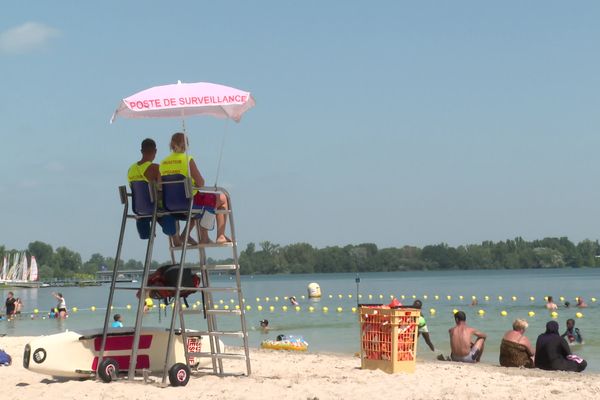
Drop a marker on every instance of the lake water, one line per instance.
(335, 331)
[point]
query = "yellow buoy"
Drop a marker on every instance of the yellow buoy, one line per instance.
(414, 296)
(194, 306)
(129, 306)
(360, 296)
(162, 305)
(531, 314)
(298, 308)
(184, 306)
(311, 309)
(340, 296)
(303, 297)
(221, 301)
(353, 309)
(500, 298)
(449, 297)
(554, 314)
(276, 298)
(259, 308)
(35, 311)
(402, 297)
(436, 297)
(93, 308)
(339, 309)
(579, 315)
(392, 296)
(349, 296)
(370, 296)
(432, 311)
(271, 308)
(562, 298)
(424, 297)
(111, 308)
(216, 306)
(593, 299)
(74, 309)
(284, 308)
(503, 313)
(231, 301)
(267, 299)
(248, 308)
(381, 296)
(481, 312)
(461, 297)
(258, 299)
(532, 298)
(473, 297)
(454, 311)
(486, 298)
(325, 309)
(331, 296)
(514, 298)
(237, 306)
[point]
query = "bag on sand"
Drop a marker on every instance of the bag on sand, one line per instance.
(5, 359)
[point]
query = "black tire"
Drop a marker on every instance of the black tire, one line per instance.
(179, 375)
(107, 369)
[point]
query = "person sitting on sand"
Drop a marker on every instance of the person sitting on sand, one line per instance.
(581, 303)
(179, 163)
(550, 304)
(552, 352)
(463, 350)
(118, 321)
(572, 334)
(422, 325)
(515, 349)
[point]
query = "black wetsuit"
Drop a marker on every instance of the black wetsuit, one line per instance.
(551, 353)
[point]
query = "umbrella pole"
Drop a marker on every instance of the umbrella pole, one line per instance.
(221, 152)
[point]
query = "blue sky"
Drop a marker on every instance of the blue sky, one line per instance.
(388, 122)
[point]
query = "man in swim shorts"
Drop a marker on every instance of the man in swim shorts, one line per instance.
(463, 350)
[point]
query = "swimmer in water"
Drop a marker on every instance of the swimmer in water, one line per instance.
(572, 334)
(264, 325)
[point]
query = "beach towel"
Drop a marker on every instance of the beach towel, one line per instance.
(514, 355)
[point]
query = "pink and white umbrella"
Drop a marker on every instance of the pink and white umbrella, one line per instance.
(181, 100)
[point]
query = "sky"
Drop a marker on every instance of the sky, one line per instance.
(390, 122)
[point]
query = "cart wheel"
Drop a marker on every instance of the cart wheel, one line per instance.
(179, 375)
(108, 369)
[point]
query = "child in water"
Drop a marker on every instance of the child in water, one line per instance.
(118, 321)
(264, 325)
(572, 334)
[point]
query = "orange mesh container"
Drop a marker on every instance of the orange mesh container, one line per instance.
(388, 338)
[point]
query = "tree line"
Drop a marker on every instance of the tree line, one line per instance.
(303, 258)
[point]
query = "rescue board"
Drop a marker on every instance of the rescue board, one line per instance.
(74, 354)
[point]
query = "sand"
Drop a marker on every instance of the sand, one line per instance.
(285, 375)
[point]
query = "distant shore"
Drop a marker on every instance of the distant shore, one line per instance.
(285, 375)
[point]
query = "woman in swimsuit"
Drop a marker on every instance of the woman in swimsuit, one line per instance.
(61, 306)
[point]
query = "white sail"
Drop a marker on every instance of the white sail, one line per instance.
(14, 268)
(24, 269)
(33, 270)
(4, 269)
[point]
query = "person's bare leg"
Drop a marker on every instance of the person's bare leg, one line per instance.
(191, 240)
(204, 239)
(479, 344)
(222, 219)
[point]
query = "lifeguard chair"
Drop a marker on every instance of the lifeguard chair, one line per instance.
(177, 203)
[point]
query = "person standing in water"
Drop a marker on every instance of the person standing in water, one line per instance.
(61, 306)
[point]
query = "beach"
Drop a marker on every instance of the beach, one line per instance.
(287, 375)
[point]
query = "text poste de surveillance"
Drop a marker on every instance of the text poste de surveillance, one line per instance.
(186, 101)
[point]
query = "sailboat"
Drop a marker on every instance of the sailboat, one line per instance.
(21, 273)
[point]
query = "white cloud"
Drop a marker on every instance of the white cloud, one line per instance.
(27, 37)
